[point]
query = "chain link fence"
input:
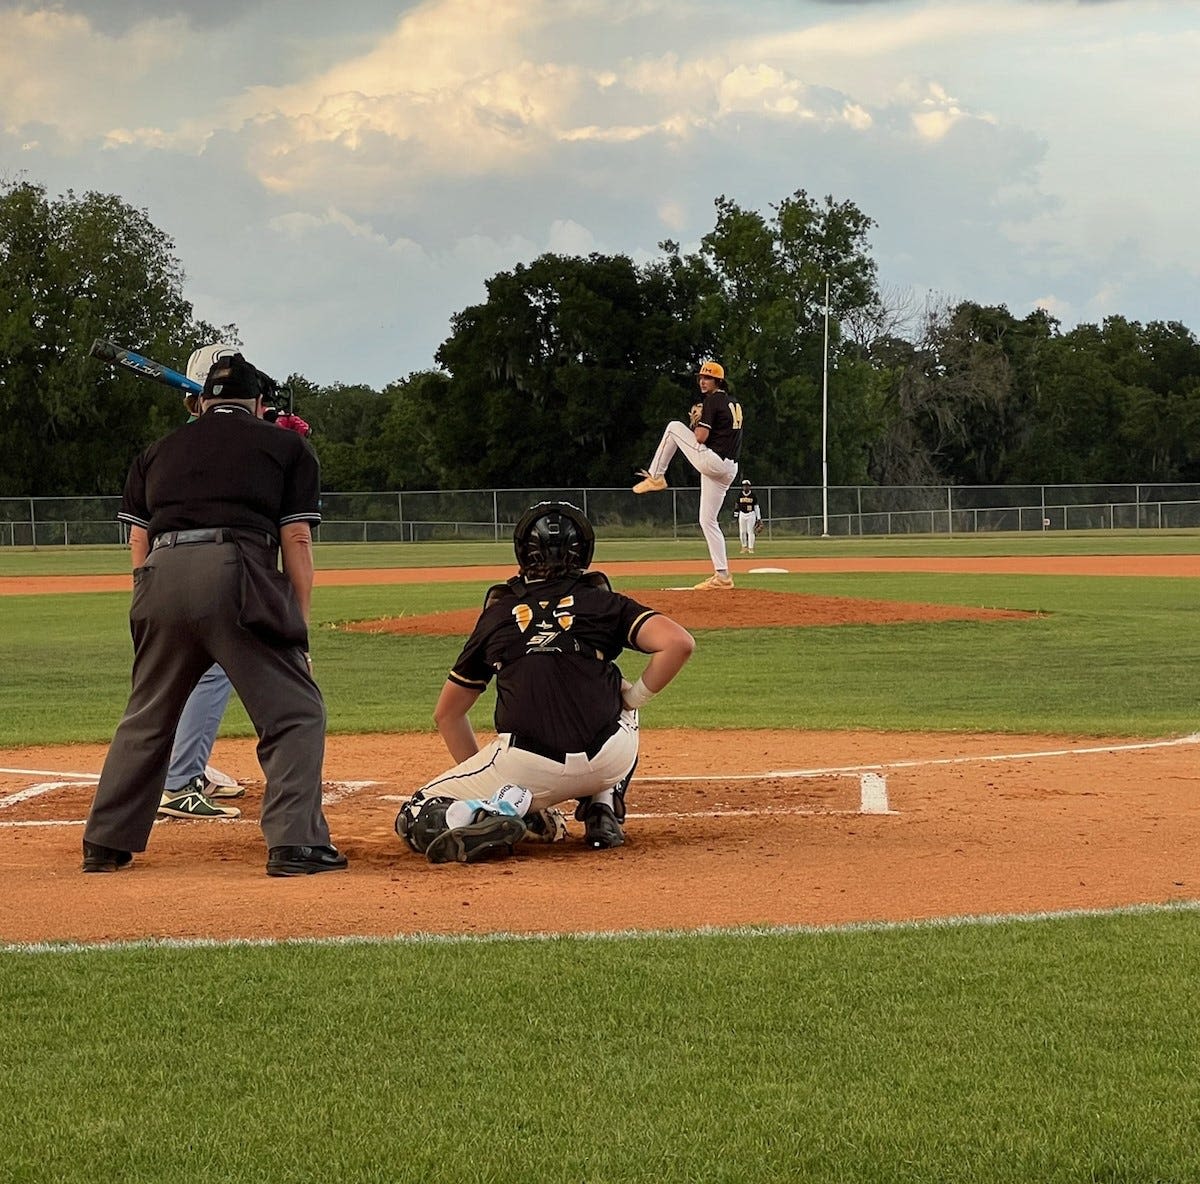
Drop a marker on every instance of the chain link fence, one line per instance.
(789, 512)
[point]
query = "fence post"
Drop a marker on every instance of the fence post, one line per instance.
(949, 509)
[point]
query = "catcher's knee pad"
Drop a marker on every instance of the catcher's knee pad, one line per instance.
(421, 819)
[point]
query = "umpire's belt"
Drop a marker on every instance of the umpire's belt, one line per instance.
(532, 744)
(212, 534)
(181, 538)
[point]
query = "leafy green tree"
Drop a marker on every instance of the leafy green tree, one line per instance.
(1116, 402)
(71, 270)
(768, 322)
(550, 378)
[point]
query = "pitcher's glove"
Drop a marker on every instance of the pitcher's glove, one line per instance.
(758, 526)
(694, 414)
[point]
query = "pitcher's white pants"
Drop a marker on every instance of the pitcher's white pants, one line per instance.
(716, 476)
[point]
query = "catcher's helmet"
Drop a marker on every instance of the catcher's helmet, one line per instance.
(711, 370)
(421, 819)
(553, 539)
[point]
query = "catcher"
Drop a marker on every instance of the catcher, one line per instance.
(749, 518)
(566, 720)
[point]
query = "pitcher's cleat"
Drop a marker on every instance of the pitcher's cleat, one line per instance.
(649, 483)
(714, 581)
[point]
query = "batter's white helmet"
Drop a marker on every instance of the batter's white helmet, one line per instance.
(204, 358)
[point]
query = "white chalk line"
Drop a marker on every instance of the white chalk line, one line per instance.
(873, 787)
(53, 773)
(749, 932)
(337, 791)
(929, 762)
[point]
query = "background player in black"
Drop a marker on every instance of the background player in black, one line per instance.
(566, 720)
(711, 445)
(209, 508)
(748, 516)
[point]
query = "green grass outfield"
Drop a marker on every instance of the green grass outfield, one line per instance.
(1051, 1049)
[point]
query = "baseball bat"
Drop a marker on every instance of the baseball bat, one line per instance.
(107, 351)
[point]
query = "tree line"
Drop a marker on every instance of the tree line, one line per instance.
(565, 374)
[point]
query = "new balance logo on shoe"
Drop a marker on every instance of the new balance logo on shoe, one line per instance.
(190, 802)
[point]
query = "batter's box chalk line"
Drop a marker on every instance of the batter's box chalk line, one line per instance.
(872, 792)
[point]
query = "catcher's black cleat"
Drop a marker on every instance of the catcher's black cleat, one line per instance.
(601, 829)
(98, 858)
(493, 834)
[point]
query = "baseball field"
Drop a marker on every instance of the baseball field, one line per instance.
(910, 891)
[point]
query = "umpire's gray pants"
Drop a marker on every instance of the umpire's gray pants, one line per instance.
(183, 618)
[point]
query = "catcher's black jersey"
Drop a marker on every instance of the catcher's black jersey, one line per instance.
(722, 416)
(551, 647)
(746, 503)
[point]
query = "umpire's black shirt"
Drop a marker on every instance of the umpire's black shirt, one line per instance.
(229, 469)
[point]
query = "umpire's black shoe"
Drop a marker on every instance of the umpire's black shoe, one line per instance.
(600, 826)
(98, 858)
(494, 834)
(304, 861)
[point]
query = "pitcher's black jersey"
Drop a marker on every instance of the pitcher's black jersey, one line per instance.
(722, 415)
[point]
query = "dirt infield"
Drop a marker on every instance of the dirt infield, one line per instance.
(725, 828)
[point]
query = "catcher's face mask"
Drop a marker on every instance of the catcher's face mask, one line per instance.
(421, 820)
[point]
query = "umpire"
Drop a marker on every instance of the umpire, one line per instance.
(209, 507)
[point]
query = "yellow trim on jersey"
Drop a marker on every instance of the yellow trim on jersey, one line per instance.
(633, 629)
(471, 684)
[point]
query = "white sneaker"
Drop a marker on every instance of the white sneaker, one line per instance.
(714, 581)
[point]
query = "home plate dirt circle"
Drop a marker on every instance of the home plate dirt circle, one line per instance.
(728, 828)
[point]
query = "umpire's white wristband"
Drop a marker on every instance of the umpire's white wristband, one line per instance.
(638, 695)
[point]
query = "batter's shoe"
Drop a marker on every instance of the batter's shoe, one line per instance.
(493, 834)
(304, 861)
(189, 802)
(649, 483)
(714, 581)
(601, 829)
(220, 785)
(98, 858)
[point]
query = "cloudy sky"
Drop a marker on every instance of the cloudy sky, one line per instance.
(340, 179)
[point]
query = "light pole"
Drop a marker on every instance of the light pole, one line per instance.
(825, 421)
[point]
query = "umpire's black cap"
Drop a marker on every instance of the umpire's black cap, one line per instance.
(232, 378)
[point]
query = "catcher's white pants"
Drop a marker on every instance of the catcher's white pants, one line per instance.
(716, 476)
(549, 781)
(746, 524)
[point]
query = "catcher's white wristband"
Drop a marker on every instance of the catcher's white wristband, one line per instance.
(638, 695)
